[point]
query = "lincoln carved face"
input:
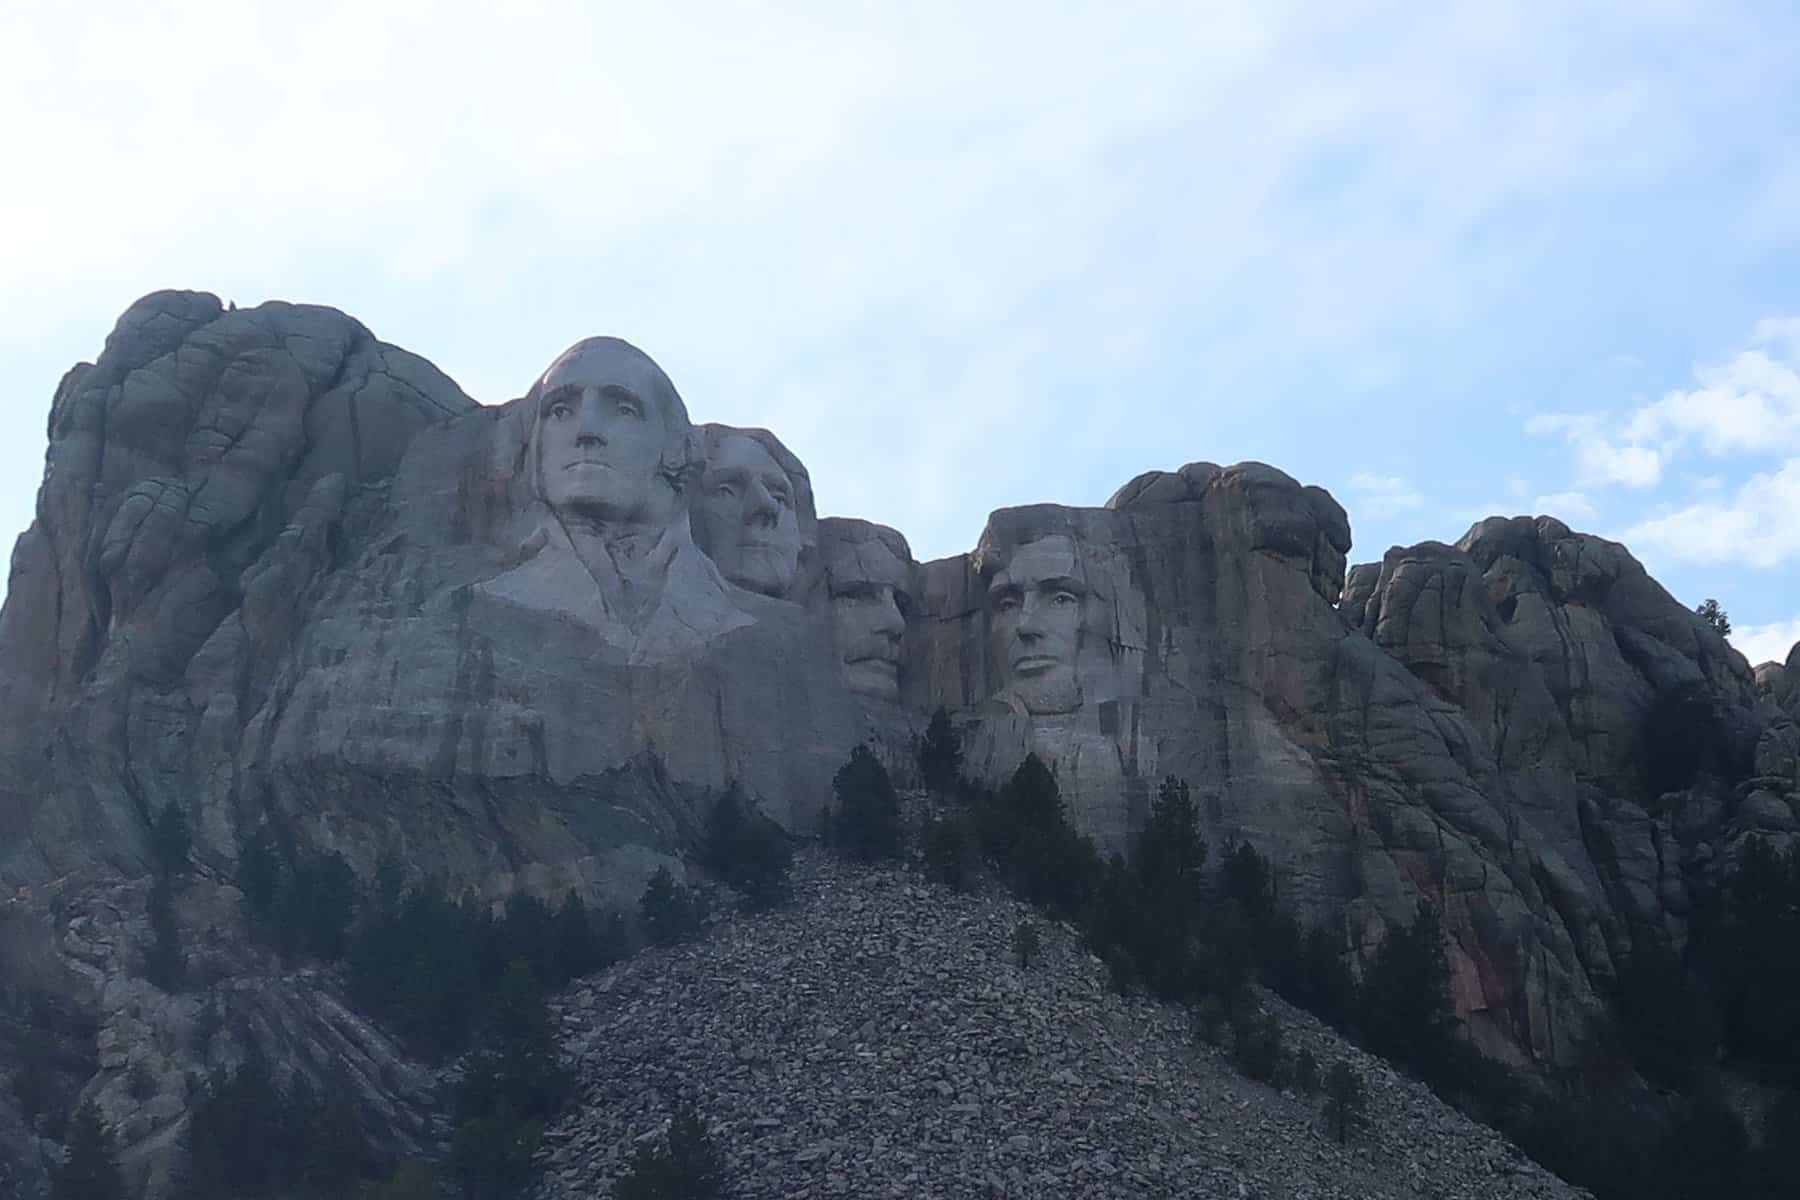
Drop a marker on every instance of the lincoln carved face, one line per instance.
(1036, 620)
(607, 418)
(746, 515)
(869, 586)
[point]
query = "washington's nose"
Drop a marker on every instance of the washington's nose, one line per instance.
(589, 428)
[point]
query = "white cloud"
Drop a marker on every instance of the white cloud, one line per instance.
(1749, 404)
(1600, 457)
(1766, 643)
(1566, 506)
(901, 237)
(1755, 526)
(1382, 496)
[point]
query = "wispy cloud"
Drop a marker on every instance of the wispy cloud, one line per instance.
(1381, 496)
(1601, 456)
(1754, 525)
(957, 256)
(1569, 507)
(1766, 643)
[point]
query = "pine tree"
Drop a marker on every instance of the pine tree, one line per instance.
(90, 1168)
(1407, 1015)
(1343, 1098)
(164, 963)
(685, 1165)
(170, 842)
(746, 850)
(670, 912)
(868, 808)
(940, 754)
(1708, 610)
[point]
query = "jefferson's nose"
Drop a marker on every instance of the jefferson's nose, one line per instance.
(762, 509)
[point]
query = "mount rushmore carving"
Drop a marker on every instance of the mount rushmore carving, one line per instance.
(292, 578)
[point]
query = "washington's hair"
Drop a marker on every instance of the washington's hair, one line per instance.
(683, 456)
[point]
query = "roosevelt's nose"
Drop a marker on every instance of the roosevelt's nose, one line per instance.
(889, 621)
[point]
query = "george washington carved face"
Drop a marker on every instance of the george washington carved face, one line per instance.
(612, 437)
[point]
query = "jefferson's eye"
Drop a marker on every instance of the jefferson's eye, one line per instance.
(725, 490)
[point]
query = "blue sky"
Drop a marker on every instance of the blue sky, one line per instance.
(1444, 260)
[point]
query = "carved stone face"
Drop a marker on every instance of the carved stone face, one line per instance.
(870, 592)
(1036, 618)
(601, 430)
(745, 518)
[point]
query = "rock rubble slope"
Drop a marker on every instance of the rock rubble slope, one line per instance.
(877, 1038)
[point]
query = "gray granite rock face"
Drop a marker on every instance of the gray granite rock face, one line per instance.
(290, 577)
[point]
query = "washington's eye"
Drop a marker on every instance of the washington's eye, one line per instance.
(561, 411)
(630, 408)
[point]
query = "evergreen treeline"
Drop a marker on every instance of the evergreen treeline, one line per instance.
(448, 976)
(427, 966)
(1163, 922)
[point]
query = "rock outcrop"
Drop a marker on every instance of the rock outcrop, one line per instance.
(294, 580)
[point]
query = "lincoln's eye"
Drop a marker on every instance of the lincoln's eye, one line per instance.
(1064, 599)
(1006, 604)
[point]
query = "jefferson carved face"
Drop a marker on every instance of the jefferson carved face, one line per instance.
(602, 429)
(745, 516)
(870, 593)
(1036, 618)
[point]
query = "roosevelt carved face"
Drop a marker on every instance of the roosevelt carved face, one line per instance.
(603, 425)
(745, 517)
(870, 593)
(1036, 619)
